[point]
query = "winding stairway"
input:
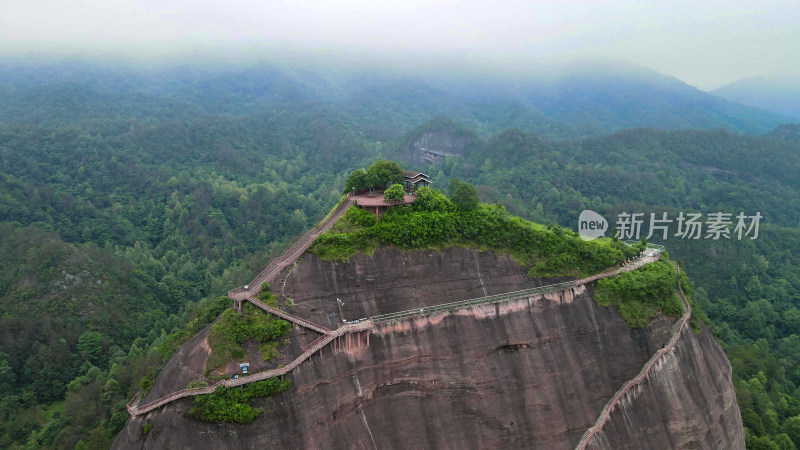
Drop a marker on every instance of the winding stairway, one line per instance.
(677, 329)
(292, 254)
(248, 292)
(328, 336)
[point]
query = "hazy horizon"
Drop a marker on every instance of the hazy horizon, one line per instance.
(707, 46)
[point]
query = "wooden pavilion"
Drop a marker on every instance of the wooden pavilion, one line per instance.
(415, 180)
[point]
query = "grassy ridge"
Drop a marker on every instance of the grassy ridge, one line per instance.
(435, 222)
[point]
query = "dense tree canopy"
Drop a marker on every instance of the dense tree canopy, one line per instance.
(358, 181)
(116, 236)
(129, 206)
(463, 194)
(383, 173)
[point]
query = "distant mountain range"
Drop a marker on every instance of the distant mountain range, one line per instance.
(573, 102)
(131, 199)
(787, 132)
(780, 95)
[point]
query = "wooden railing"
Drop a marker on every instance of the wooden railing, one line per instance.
(292, 318)
(290, 256)
(319, 339)
(633, 265)
(293, 253)
(317, 345)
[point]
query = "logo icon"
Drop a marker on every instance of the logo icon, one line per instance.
(591, 225)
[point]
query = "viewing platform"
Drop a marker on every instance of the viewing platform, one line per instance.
(375, 202)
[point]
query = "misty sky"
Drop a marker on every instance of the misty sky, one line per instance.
(705, 43)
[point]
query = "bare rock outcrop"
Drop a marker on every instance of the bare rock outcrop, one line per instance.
(532, 372)
(435, 146)
(687, 402)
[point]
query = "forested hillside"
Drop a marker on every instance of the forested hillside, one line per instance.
(131, 200)
(114, 230)
(381, 104)
(780, 95)
(750, 289)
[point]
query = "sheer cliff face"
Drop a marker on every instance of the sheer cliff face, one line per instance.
(434, 146)
(524, 373)
(688, 402)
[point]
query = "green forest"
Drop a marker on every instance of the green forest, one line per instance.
(130, 204)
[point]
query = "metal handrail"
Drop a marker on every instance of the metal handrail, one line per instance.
(472, 301)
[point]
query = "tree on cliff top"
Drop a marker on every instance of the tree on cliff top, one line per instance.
(434, 222)
(357, 181)
(383, 173)
(429, 199)
(380, 174)
(394, 193)
(463, 194)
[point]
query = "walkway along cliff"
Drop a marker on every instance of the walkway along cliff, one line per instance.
(363, 325)
(504, 368)
(366, 324)
(640, 377)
